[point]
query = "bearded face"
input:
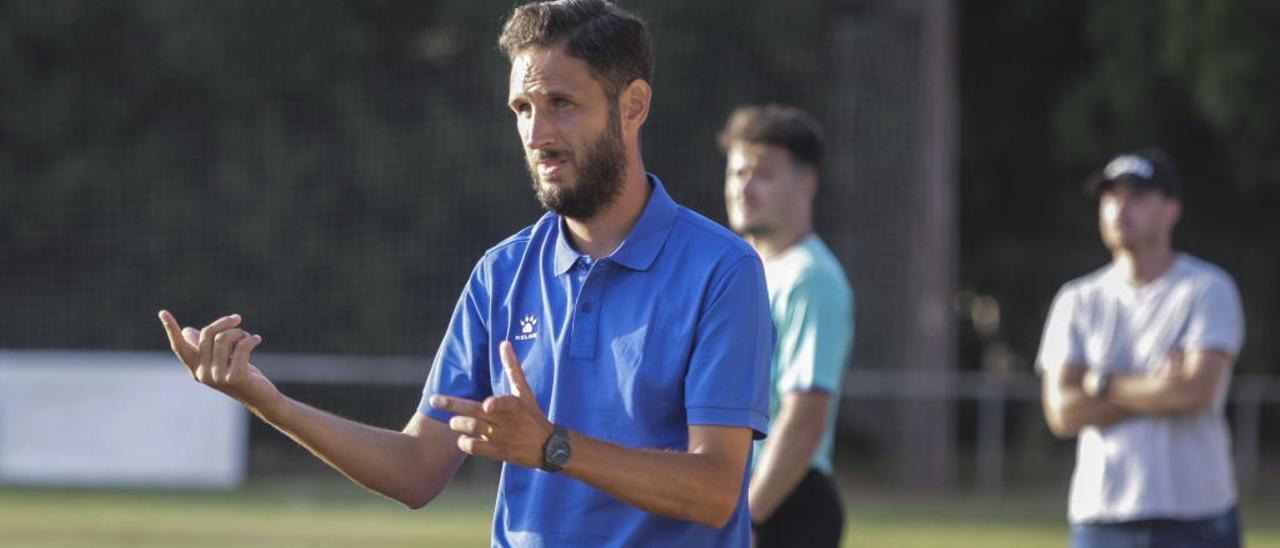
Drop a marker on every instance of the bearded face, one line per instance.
(598, 164)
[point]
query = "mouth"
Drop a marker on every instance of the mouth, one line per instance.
(550, 164)
(551, 168)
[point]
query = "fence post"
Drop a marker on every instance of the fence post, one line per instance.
(1247, 401)
(991, 436)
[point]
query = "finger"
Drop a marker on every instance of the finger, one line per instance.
(457, 406)
(210, 331)
(501, 404)
(515, 373)
(181, 346)
(240, 355)
(192, 335)
(471, 426)
(223, 344)
(479, 447)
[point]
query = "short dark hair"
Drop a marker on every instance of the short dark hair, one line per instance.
(614, 43)
(777, 125)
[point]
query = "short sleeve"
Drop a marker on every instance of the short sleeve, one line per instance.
(461, 365)
(727, 381)
(1061, 343)
(814, 332)
(1217, 318)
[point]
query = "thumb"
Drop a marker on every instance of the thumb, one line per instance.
(515, 373)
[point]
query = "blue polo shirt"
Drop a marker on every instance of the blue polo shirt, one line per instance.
(671, 330)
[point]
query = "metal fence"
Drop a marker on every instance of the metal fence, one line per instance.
(992, 393)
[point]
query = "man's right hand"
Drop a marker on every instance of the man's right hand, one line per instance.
(218, 356)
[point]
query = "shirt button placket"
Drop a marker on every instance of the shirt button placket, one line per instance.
(586, 317)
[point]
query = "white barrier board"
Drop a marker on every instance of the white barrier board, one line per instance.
(132, 419)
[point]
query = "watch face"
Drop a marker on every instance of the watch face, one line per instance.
(555, 454)
(558, 451)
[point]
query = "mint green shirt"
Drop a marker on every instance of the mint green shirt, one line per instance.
(812, 308)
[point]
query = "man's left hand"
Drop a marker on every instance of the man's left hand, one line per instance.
(509, 428)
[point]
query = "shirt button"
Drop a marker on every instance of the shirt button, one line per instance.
(586, 308)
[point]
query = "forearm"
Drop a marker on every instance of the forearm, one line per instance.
(1156, 394)
(1076, 410)
(689, 486)
(388, 462)
(410, 466)
(1184, 383)
(1068, 409)
(783, 464)
(788, 453)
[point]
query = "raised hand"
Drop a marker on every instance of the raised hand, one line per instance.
(509, 428)
(218, 356)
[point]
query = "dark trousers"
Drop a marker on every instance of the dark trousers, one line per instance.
(812, 516)
(1221, 531)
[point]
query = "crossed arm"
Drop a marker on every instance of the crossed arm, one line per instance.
(412, 466)
(1185, 383)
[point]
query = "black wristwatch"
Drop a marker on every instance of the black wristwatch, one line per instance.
(556, 451)
(1102, 384)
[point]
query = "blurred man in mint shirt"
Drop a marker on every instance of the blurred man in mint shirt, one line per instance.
(771, 177)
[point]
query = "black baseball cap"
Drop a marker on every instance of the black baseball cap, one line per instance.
(1150, 168)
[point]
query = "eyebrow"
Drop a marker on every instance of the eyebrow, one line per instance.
(526, 95)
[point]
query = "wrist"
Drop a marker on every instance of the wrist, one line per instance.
(557, 449)
(1097, 383)
(269, 405)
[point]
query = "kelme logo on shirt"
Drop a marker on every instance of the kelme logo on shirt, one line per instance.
(528, 328)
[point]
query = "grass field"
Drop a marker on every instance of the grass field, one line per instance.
(329, 515)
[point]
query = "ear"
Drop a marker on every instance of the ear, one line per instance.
(1174, 212)
(809, 182)
(633, 104)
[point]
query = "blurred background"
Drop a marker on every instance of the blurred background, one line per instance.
(332, 169)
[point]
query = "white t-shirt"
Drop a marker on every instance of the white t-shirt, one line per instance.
(1148, 466)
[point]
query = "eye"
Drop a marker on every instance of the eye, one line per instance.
(561, 103)
(520, 107)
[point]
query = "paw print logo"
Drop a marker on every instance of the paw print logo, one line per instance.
(528, 328)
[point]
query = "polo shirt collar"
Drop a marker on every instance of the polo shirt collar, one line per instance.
(641, 247)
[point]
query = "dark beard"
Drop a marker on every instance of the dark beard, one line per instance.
(756, 231)
(599, 176)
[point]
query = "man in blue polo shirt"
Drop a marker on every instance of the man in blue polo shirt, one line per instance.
(614, 355)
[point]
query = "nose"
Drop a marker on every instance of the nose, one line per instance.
(537, 130)
(750, 184)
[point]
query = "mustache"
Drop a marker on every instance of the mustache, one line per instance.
(545, 155)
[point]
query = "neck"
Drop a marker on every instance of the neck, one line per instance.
(774, 244)
(1144, 266)
(600, 235)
